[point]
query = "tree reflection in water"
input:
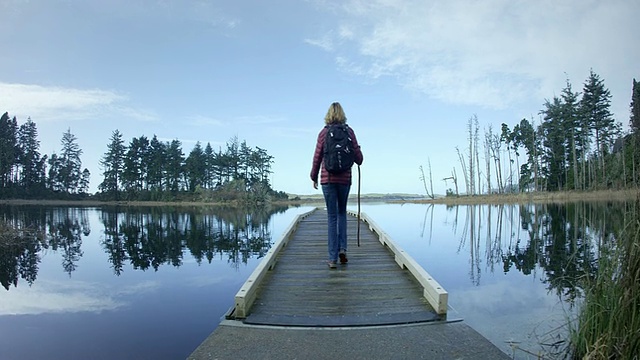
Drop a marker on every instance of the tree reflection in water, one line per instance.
(564, 240)
(65, 229)
(36, 229)
(561, 240)
(146, 237)
(19, 255)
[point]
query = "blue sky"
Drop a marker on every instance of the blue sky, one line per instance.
(409, 74)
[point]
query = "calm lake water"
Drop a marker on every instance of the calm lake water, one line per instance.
(153, 283)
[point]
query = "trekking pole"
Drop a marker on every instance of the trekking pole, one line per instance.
(358, 236)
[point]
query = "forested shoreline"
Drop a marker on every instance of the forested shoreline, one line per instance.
(577, 146)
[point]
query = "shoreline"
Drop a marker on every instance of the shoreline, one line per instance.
(523, 198)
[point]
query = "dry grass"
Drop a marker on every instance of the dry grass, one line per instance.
(10, 236)
(538, 197)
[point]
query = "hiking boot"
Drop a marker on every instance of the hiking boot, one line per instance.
(343, 258)
(332, 264)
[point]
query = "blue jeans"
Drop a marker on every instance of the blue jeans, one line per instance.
(336, 196)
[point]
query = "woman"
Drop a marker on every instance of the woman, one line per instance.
(335, 186)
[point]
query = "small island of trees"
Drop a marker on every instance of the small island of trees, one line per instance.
(143, 170)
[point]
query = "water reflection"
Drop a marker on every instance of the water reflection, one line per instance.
(564, 240)
(144, 237)
(65, 229)
(19, 258)
(561, 239)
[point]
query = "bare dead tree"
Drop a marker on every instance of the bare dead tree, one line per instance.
(464, 169)
(472, 188)
(453, 177)
(476, 132)
(424, 181)
(487, 156)
(495, 154)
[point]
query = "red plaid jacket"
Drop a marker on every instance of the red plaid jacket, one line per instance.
(325, 176)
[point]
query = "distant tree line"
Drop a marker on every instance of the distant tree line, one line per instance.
(25, 173)
(576, 146)
(142, 170)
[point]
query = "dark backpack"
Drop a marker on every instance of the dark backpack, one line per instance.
(338, 149)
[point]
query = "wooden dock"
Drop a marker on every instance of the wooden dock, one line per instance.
(381, 305)
(380, 285)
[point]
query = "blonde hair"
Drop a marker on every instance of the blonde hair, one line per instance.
(335, 114)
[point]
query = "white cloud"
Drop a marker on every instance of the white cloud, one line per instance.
(199, 10)
(53, 103)
(490, 53)
(325, 43)
(258, 120)
(501, 303)
(201, 120)
(292, 132)
(136, 114)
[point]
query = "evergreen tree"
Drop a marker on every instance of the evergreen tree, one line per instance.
(135, 169)
(509, 138)
(30, 160)
(233, 158)
(217, 168)
(595, 104)
(195, 168)
(244, 157)
(209, 169)
(53, 176)
(263, 162)
(9, 150)
(85, 177)
(112, 163)
(223, 164)
(571, 124)
(634, 122)
(70, 163)
(554, 156)
(525, 135)
(157, 155)
(174, 166)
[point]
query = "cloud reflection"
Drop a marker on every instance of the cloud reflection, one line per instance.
(70, 297)
(515, 306)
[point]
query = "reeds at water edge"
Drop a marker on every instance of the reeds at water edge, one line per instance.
(608, 322)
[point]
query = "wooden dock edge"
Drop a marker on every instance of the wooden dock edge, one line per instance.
(247, 294)
(435, 294)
